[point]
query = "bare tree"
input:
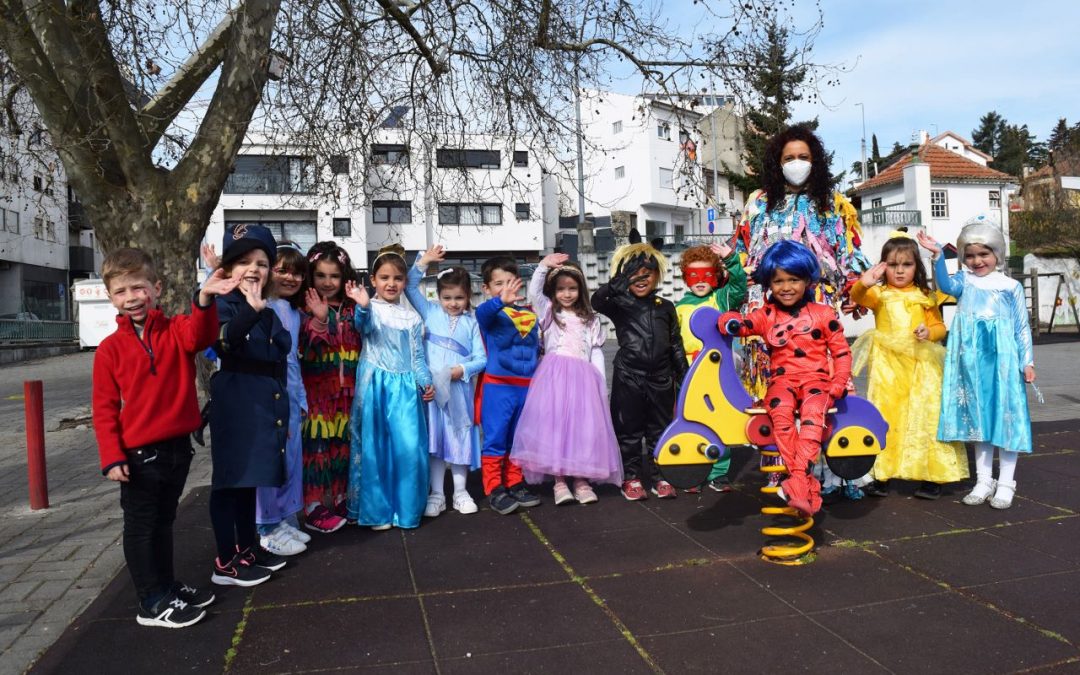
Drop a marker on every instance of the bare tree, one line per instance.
(149, 104)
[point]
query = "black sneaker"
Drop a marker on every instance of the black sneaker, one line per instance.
(502, 502)
(170, 612)
(522, 496)
(928, 490)
(196, 597)
(257, 555)
(878, 488)
(238, 572)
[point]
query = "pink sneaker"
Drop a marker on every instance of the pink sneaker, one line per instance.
(583, 492)
(321, 519)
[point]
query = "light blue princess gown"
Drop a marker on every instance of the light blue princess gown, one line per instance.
(450, 341)
(388, 467)
(982, 395)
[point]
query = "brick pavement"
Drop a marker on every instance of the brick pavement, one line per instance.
(55, 562)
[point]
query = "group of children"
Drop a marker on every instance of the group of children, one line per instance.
(342, 406)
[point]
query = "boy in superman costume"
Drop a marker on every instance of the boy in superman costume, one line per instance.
(512, 340)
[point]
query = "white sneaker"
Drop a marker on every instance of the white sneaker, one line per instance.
(280, 543)
(298, 535)
(436, 504)
(463, 503)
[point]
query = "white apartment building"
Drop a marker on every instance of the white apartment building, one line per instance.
(38, 255)
(645, 156)
(472, 194)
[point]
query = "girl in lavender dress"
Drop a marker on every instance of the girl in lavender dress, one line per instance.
(565, 429)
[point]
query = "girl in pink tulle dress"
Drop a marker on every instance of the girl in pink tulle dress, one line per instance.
(565, 429)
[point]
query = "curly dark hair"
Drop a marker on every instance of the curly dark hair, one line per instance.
(329, 251)
(818, 186)
(908, 245)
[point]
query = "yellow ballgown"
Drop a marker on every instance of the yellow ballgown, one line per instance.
(905, 384)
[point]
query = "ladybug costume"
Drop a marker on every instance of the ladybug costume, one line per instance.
(802, 339)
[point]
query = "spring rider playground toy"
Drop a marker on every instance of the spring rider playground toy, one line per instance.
(714, 413)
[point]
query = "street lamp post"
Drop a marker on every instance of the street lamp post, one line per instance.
(863, 144)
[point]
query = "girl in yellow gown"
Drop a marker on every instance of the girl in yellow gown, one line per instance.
(906, 363)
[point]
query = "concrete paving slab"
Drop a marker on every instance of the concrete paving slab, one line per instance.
(1042, 600)
(614, 656)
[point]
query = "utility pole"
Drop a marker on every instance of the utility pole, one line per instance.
(863, 109)
(584, 230)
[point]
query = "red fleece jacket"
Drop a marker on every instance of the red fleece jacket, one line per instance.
(144, 388)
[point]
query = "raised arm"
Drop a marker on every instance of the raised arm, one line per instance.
(841, 356)
(541, 303)
(488, 311)
(412, 290)
(735, 288)
(953, 285)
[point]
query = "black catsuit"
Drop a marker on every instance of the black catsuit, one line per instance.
(648, 367)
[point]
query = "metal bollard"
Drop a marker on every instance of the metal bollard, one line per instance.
(35, 444)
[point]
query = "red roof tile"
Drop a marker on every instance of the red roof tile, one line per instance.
(944, 165)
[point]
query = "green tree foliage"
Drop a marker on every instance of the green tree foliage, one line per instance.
(987, 137)
(1018, 148)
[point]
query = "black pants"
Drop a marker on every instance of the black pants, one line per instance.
(156, 477)
(642, 406)
(232, 513)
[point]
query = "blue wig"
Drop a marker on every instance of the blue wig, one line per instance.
(792, 257)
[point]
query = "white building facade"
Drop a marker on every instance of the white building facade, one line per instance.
(471, 194)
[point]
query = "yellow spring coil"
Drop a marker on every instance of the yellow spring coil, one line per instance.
(790, 553)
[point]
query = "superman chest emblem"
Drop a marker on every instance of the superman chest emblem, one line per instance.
(524, 320)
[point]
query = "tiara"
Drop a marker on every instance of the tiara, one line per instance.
(290, 245)
(446, 271)
(392, 249)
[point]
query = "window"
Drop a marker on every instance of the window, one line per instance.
(995, 199)
(11, 220)
(876, 218)
(616, 127)
(680, 233)
(50, 230)
(470, 214)
(267, 174)
(655, 229)
(448, 158)
(339, 164)
(35, 139)
(939, 204)
(342, 227)
(731, 191)
(521, 210)
(663, 130)
(391, 213)
(39, 227)
(382, 153)
(521, 158)
(666, 178)
(39, 184)
(620, 172)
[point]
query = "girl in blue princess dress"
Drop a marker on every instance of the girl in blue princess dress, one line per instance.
(456, 355)
(388, 467)
(988, 360)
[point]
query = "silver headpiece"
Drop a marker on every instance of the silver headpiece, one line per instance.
(983, 231)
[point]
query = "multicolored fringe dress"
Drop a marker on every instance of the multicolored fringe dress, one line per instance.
(328, 359)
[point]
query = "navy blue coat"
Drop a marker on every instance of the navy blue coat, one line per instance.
(249, 410)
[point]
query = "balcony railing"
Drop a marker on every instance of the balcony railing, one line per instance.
(893, 217)
(265, 184)
(28, 331)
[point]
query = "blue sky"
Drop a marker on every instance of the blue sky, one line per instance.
(939, 65)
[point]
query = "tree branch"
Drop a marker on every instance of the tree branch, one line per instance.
(406, 24)
(156, 116)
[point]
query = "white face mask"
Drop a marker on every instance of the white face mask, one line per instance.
(796, 171)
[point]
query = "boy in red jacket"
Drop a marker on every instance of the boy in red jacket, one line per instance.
(145, 408)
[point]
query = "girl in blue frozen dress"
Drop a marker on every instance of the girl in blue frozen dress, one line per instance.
(988, 359)
(456, 355)
(388, 466)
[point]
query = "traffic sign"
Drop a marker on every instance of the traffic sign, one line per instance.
(711, 216)
(712, 226)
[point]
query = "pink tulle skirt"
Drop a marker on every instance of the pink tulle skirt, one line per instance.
(565, 427)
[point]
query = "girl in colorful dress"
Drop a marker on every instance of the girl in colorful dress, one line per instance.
(388, 472)
(565, 430)
(329, 350)
(905, 360)
(988, 360)
(455, 354)
(276, 508)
